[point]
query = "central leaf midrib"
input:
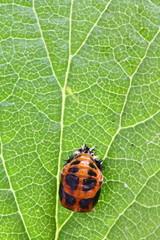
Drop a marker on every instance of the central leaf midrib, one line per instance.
(63, 108)
(62, 121)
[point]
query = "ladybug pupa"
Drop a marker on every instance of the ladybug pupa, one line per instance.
(81, 180)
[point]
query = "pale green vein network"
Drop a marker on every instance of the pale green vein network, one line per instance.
(120, 127)
(124, 104)
(83, 43)
(63, 90)
(11, 188)
(143, 121)
(128, 91)
(46, 49)
(105, 237)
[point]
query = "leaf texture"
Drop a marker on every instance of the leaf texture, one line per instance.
(74, 72)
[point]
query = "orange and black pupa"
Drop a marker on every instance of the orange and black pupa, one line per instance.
(81, 180)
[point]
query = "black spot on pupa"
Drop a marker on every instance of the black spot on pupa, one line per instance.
(84, 203)
(61, 192)
(75, 163)
(72, 181)
(98, 163)
(92, 165)
(91, 173)
(73, 170)
(88, 184)
(70, 200)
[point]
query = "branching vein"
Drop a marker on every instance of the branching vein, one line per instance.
(11, 189)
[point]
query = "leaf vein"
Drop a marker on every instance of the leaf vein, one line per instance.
(85, 40)
(62, 120)
(134, 200)
(45, 46)
(11, 188)
(127, 94)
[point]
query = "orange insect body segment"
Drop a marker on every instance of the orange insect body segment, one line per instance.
(81, 181)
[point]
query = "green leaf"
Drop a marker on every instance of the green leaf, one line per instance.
(74, 72)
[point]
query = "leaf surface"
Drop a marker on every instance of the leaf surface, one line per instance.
(74, 72)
